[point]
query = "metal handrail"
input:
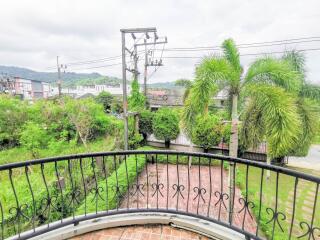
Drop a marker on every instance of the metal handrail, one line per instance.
(142, 183)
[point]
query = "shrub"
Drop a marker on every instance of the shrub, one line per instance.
(33, 137)
(207, 131)
(166, 125)
(13, 115)
(105, 98)
(145, 123)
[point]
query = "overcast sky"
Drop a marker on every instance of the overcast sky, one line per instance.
(34, 32)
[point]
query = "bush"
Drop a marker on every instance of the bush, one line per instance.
(33, 138)
(136, 100)
(13, 114)
(166, 125)
(145, 123)
(207, 132)
(106, 99)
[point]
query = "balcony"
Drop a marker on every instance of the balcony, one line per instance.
(64, 197)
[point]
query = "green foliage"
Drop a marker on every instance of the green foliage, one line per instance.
(136, 100)
(166, 124)
(131, 167)
(12, 116)
(117, 106)
(33, 137)
(207, 131)
(88, 118)
(105, 98)
(145, 122)
(226, 132)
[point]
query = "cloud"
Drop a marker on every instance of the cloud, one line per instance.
(34, 32)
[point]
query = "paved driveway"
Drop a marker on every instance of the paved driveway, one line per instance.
(312, 161)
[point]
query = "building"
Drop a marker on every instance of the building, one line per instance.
(28, 89)
(174, 97)
(94, 90)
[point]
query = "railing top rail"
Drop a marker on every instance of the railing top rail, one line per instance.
(165, 152)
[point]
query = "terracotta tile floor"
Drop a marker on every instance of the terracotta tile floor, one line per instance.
(189, 199)
(147, 232)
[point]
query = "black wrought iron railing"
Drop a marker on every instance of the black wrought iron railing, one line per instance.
(267, 202)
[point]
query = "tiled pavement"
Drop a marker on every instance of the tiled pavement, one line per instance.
(189, 198)
(181, 188)
(148, 232)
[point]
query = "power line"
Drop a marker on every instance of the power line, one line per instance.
(248, 54)
(203, 48)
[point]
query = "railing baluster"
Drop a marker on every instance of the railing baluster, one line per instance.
(18, 207)
(60, 189)
(233, 191)
(84, 187)
(189, 166)
(178, 187)
(117, 183)
(221, 188)
(147, 181)
(276, 205)
(260, 201)
(312, 229)
(137, 181)
(210, 189)
(294, 206)
(125, 163)
(105, 172)
(246, 198)
(72, 188)
(48, 199)
(199, 184)
(32, 196)
(96, 190)
(157, 181)
(2, 222)
(167, 180)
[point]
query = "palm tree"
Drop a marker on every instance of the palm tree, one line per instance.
(303, 96)
(265, 82)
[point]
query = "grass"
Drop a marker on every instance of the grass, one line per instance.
(304, 201)
(37, 182)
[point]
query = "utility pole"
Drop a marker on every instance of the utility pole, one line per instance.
(59, 77)
(146, 61)
(59, 68)
(132, 31)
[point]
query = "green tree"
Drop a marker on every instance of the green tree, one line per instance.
(266, 74)
(207, 131)
(136, 100)
(88, 118)
(106, 99)
(276, 76)
(13, 114)
(166, 125)
(145, 123)
(33, 137)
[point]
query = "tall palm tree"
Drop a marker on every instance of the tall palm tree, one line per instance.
(265, 81)
(303, 96)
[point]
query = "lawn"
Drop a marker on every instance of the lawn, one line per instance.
(304, 202)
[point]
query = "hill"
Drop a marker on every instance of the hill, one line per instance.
(72, 79)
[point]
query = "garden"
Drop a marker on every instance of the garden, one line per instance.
(271, 102)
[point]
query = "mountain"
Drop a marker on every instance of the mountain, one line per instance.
(72, 79)
(69, 78)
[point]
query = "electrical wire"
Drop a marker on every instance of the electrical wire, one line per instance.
(201, 48)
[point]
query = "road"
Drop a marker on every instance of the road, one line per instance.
(311, 161)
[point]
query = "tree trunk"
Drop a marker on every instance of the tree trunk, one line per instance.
(269, 163)
(233, 152)
(167, 143)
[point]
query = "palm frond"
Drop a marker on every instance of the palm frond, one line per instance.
(296, 60)
(280, 117)
(309, 115)
(211, 72)
(311, 91)
(274, 71)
